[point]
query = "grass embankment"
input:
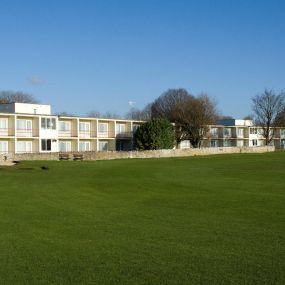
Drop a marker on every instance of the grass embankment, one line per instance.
(199, 220)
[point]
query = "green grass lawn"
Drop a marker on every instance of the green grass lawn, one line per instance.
(198, 220)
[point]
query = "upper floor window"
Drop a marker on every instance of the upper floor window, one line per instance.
(135, 127)
(253, 131)
(23, 124)
(214, 131)
(48, 123)
(120, 128)
(103, 127)
(227, 132)
(64, 126)
(84, 127)
(240, 132)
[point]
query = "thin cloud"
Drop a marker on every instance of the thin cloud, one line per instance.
(35, 80)
(131, 103)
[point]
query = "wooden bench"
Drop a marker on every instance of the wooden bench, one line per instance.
(63, 156)
(77, 156)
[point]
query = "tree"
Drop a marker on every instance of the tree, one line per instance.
(194, 117)
(191, 115)
(16, 97)
(155, 134)
(107, 115)
(165, 105)
(140, 115)
(266, 107)
(280, 119)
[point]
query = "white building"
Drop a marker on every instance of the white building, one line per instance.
(32, 128)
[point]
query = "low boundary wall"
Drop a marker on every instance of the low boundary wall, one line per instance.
(108, 155)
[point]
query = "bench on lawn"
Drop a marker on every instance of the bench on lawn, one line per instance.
(63, 156)
(77, 156)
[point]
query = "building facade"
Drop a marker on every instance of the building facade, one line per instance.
(28, 128)
(31, 128)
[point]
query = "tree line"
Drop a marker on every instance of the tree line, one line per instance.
(177, 115)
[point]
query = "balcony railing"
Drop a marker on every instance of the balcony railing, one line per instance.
(4, 132)
(124, 135)
(24, 133)
(68, 133)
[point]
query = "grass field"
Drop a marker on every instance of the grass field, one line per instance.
(199, 220)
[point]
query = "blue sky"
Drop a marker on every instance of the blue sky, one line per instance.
(80, 56)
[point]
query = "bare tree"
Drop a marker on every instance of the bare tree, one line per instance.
(166, 104)
(107, 115)
(67, 114)
(190, 114)
(280, 119)
(16, 97)
(266, 107)
(248, 117)
(194, 117)
(140, 115)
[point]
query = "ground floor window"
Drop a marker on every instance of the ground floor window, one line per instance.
(214, 143)
(84, 146)
(3, 146)
(46, 145)
(185, 144)
(64, 146)
(103, 146)
(24, 146)
(254, 142)
(240, 143)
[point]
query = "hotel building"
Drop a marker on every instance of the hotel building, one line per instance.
(28, 128)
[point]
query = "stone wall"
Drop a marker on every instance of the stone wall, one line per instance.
(92, 155)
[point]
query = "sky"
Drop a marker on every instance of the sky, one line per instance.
(109, 55)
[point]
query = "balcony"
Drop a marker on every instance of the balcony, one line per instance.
(84, 134)
(4, 132)
(24, 133)
(67, 134)
(124, 135)
(105, 134)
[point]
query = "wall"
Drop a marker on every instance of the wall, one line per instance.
(92, 155)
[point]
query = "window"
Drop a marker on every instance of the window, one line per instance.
(240, 143)
(3, 146)
(227, 143)
(214, 143)
(48, 123)
(120, 128)
(227, 132)
(64, 126)
(84, 146)
(46, 145)
(135, 127)
(103, 146)
(24, 146)
(185, 144)
(103, 129)
(64, 146)
(24, 127)
(254, 142)
(253, 131)
(4, 127)
(240, 132)
(84, 129)
(214, 132)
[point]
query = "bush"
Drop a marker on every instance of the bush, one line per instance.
(155, 134)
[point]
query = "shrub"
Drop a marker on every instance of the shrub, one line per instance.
(156, 134)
